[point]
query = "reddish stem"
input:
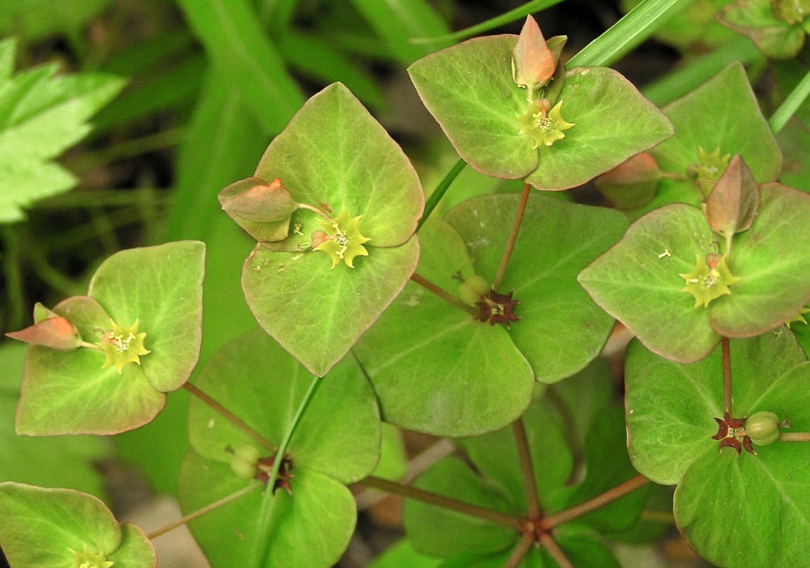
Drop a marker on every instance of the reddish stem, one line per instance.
(228, 415)
(428, 285)
(520, 551)
(794, 437)
(555, 551)
(726, 376)
(510, 243)
(442, 501)
(526, 468)
(548, 523)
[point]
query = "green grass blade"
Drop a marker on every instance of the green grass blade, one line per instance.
(397, 21)
(234, 40)
(636, 26)
(683, 80)
(791, 104)
(492, 23)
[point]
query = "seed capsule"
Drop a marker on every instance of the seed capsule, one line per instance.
(762, 427)
(472, 289)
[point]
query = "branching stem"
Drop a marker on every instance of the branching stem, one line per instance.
(228, 415)
(207, 509)
(428, 285)
(520, 551)
(442, 501)
(510, 243)
(576, 511)
(555, 551)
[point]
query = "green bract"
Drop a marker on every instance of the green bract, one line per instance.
(484, 113)
(98, 391)
(59, 528)
(334, 159)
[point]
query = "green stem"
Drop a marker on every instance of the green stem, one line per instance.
(428, 285)
(492, 23)
(526, 468)
(623, 36)
(555, 551)
(128, 149)
(510, 243)
(228, 415)
(15, 289)
(439, 192)
(207, 509)
(726, 375)
(520, 551)
(791, 104)
(442, 501)
(302, 408)
(548, 523)
(794, 437)
(80, 198)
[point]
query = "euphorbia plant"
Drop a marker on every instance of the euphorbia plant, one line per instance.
(477, 328)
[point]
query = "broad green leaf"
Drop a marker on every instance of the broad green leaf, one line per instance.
(41, 115)
(434, 367)
(772, 260)
(440, 532)
(311, 527)
(638, 282)
(495, 456)
(259, 382)
(335, 157)
(671, 407)
(41, 528)
(607, 465)
(71, 393)
(722, 114)
(470, 91)
(561, 329)
(37, 19)
(763, 501)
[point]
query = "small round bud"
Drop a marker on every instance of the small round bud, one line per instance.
(245, 458)
(762, 427)
(472, 289)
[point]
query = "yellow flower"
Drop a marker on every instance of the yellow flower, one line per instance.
(709, 280)
(544, 126)
(343, 240)
(86, 559)
(122, 346)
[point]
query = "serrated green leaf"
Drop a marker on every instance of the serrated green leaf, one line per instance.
(434, 368)
(41, 115)
(41, 527)
(561, 330)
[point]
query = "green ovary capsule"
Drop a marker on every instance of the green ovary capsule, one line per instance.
(762, 427)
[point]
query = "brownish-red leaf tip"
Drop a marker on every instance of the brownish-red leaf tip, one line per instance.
(56, 332)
